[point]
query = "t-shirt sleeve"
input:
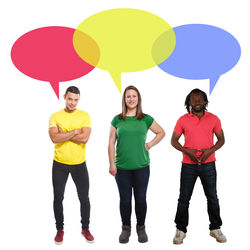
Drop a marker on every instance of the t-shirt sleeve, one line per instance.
(178, 127)
(87, 120)
(149, 120)
(217, 126)
(114, 121)
(52, 121)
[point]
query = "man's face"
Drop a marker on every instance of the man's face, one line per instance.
(71, 101)
(197, 102)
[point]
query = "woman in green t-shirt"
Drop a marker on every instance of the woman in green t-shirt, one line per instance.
(129, 160)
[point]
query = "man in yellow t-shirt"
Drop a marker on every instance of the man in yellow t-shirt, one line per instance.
(70, 129)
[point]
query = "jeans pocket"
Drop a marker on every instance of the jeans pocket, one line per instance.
(209, 164)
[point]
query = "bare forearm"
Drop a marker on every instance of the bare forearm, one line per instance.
(111, 152)
(217, 145)
(63, 137)
(81, 138)
(177, 145)
(156, 139)
(112, 166)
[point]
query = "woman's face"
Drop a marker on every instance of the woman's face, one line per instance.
(131, 99)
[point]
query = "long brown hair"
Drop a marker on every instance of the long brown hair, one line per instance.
(139, 113)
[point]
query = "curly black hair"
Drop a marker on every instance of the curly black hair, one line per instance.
(187, 101)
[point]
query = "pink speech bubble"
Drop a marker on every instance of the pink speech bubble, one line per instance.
(48, 54)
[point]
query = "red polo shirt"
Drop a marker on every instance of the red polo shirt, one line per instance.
(198, 133)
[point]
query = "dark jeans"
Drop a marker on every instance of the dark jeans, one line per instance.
(138, 181)
(79, 173)
(189, 174)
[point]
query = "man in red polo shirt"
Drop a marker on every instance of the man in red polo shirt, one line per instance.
(198, 127)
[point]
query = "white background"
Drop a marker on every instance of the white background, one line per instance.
(26, 214)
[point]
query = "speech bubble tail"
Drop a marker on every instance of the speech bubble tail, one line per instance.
(117, 79)
(55, 87)
(212, 83)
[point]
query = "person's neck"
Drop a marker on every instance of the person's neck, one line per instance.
(68, 110)
(199, 114)
(131, 112)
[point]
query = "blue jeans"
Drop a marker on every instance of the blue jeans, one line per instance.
(138, 181)
(189, 174)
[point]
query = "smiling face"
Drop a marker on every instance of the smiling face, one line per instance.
(131, 99)
(71, 101)
(197, 102)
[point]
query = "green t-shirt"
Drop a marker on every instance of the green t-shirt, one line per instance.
(131, 137)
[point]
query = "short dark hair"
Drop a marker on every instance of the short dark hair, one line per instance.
(196, 91)
(72, 89)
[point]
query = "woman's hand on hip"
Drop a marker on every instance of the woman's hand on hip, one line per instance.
(147, 146)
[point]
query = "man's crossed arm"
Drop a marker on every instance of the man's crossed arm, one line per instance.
(76, 135)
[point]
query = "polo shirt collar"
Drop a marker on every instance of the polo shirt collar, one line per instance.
(192, 115)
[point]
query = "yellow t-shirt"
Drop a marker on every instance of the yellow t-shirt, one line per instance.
(69, 152)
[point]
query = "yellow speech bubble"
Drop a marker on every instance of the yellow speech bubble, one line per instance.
(125, 38)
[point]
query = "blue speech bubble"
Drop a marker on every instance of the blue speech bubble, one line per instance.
(202, 52)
